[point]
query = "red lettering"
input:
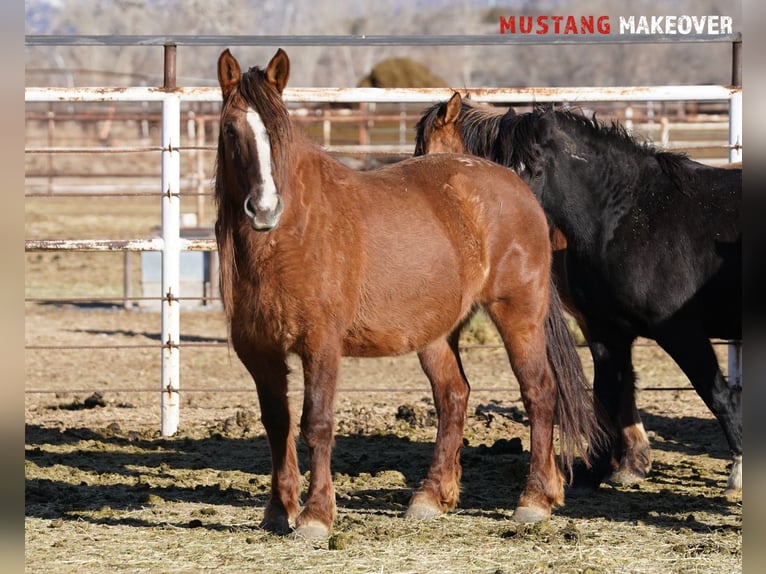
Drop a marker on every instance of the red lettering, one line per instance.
(546, 24)
(525, 20)
(603, 25)
(571, 26)
(586, 25)
(542, 24)
(509, 25)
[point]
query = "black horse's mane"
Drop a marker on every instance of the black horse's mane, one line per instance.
(519, 147)
(513, 139)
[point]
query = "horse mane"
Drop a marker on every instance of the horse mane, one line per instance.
(256, 91)
(519, 145)
(224, 232)
(479, 126)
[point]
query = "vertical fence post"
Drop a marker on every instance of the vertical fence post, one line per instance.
(171, 250)
(51, 129)
(735, 154)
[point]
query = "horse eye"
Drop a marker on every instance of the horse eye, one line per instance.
(229, 131)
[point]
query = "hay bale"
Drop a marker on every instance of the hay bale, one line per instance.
(401, 73)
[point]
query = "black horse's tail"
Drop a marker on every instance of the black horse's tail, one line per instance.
(580, 428)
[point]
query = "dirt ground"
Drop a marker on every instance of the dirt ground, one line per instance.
(106, 493)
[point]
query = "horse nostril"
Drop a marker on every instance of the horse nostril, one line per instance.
(249, 208)
(280, 207)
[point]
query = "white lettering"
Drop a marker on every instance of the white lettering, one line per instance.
(676, 24)
(670, 24)
(684, 24)
(628, 25)
(643, 25)
(712, 25)
(269, 198)
(699, 23)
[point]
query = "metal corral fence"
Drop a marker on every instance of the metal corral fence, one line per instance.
(170, 242)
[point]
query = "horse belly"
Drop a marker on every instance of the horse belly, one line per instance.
(721, 304)
(405, 307)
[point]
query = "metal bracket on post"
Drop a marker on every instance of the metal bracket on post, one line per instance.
(171, 252)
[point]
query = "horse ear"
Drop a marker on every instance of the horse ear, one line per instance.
(278, 70)
(452, 110)
(229, 72)
(546, 126)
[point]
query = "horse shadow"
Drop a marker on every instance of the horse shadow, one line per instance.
(144, 471)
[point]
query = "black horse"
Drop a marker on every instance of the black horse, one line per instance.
(654, 249)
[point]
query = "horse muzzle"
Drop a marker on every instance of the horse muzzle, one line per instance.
(263, 219)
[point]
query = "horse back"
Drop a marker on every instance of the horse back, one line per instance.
(484, 208)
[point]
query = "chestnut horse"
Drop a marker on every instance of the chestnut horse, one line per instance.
(323, 261)
(654, 249)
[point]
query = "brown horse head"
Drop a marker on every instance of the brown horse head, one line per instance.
(443, 133)
(253, 130)
(461, 126)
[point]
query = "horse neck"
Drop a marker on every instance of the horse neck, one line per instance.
(588, 201)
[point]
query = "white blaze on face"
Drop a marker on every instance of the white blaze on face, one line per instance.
(268, 200)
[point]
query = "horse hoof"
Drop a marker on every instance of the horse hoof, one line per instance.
(734, 484)
(584, 483)
(313, 531)
(732, 494)
(422, 511)
(279, 525)
(529, 514)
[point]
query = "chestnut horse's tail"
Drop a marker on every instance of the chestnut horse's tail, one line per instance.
(577, 417)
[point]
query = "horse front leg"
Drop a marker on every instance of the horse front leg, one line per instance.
(636, 459)
(627, 453)
(269, 371)
(440, 490)
(320, 372)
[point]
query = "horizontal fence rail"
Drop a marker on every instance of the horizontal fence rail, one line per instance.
(375, 40)
(171, 244)
(704, 92)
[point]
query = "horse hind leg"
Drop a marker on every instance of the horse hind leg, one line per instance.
(524, 339)
(693, 353)
(440, 490)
